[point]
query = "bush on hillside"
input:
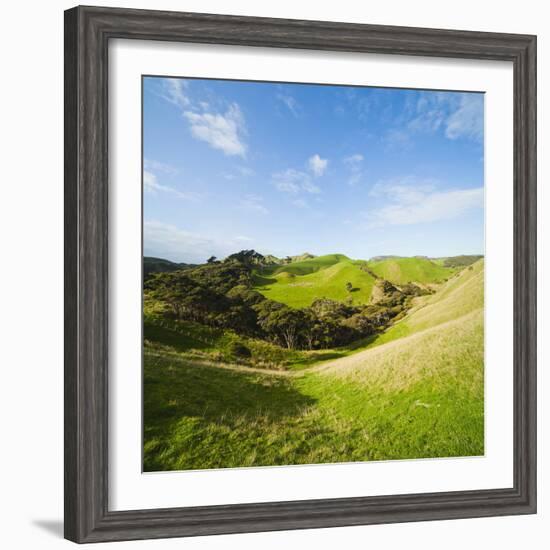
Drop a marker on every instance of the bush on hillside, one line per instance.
(238, 349)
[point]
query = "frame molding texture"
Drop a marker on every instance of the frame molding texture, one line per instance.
(87, 34)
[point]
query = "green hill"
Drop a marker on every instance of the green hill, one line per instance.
(310, 265)
(300, 283)
(159, 265)
(404, 270)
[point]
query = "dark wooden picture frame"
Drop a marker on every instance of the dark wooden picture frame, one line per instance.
(87, 34)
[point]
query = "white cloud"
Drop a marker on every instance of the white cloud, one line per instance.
(317, 165)
(400, 139)
(432, 109)
(411, 202)
(460, 115)
(293, 181)
(168, 241)
(151, 185)
(354, 160)
(254, 204)
(300, 203)
(309, 187)
(173, 90)
(224, 132)
(456, 115)
(244, 239)
(354, 164)
(155, 166)
(150, 181)
(467, 120)
(407, 189)
(290, 103)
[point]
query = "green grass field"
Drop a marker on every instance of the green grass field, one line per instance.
(404, 270)
(300, 283)
(414, 391)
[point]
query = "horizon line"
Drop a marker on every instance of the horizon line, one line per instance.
(388, 256)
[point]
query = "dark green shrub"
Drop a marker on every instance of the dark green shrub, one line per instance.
(238, 349)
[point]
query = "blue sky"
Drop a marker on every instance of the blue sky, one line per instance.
(293, 168)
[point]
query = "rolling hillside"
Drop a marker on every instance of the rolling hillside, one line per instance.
(310, 265)
(415, 390)
(404, 270)
(300, 283)
(436, 331)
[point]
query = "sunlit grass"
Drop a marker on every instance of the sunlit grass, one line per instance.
(299, 284)
(404, 270)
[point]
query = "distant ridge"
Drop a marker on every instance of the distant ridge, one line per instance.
(464, 260)
(298, 258)
(385, 257)
(160, 265)
(270, 259)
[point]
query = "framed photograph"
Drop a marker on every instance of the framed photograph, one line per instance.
(300, 274)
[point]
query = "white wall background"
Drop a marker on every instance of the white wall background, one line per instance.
(31, 273)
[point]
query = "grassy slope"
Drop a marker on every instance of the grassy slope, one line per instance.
(404, 270)
(417, 396)
(300, 283)
(460, 295)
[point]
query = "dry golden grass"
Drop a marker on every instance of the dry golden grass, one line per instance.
(440, 351)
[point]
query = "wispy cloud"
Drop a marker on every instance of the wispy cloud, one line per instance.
(317, 165)
(170, 242)
(354, 163)
(152, 186)
(409, 202)
(240, 171)
(467, 120)
(361, 103)
(174, 91)
(397, 139)
(455, 115)
(430, 112)
(155, 166)
(290, 102)
(221, 131)
(254, 204)
(300, 203)
(244, 239)
(225, 131)
(294, 181)
(355, 159)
